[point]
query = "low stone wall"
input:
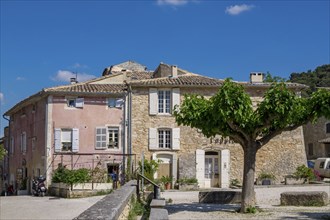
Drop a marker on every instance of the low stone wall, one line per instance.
(78, 190)
(317, 198)
(220, 197)
(113, 206)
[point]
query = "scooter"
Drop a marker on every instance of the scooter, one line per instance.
(38, 186)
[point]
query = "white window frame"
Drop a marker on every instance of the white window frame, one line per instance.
(165, 102)
(112, 135)
(73, 144)
(164, 138)
(102, 140)
(77, 102)
(115, 102)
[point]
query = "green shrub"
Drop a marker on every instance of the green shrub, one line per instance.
(64, 175)
(188, 181)
(149, 168)
(265, 175)
(303, 172)
(251, 209)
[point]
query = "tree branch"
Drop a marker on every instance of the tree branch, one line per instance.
(238, 130)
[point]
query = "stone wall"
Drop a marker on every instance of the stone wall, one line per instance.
(312, 134)
(280, 156)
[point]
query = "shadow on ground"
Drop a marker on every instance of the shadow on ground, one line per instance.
(202, 207)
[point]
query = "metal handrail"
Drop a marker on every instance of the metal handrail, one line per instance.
(156, 187)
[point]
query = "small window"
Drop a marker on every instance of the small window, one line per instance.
(115, 103)
(322, 165)
(327, 128)
(310, 149)
(66, 139)
(164, 138)
(75, 102)
(113, 138)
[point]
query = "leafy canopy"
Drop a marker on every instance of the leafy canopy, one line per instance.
(230, 112)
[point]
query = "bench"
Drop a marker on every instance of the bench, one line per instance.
(316, 198)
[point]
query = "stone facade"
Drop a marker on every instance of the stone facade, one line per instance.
(313, 133)
(280, 156)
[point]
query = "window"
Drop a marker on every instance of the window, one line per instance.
(115, 103)
(327, 128)
(162, 101)
(66, 140)
(113, 138)
(23, 142)
(75, 102)
(310, 149)
(164, 138)
(107, 138)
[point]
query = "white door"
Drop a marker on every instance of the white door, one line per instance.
(211, 171)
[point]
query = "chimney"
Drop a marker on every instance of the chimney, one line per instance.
(73, 81)
(256, 77)
(174, 71)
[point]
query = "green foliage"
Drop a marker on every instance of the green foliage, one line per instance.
(320, 77)
(166, 179)
(64, 175)
(149, 168)
(235, 182)
(251, 210)
(265, 175)
(269, 78)
(99, 175)
(303, 172)
(137, 209)
(3, 152)
(188, 181)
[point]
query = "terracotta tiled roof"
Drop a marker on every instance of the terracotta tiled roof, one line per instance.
(182, 80)
(88, 88)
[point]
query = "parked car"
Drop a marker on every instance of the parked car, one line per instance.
(322, 166)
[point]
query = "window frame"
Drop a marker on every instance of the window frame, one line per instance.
(164, 138)
(69, 148)
(78, 102)
(106, 143)
(327, 128)
(165, 102)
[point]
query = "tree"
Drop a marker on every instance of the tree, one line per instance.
(320, 77)
(3, 152)
(269, 78)
(230, 113)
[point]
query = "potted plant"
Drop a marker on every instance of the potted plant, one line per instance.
(167, 181)
(186, 183)
(266, 178)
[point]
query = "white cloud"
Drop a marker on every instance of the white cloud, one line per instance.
(237, 9)
(65, 76)
(20, 78)
(172, 2)
(2, 98)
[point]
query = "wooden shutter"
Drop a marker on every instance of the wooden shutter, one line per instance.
(153, 139)
(79, 102)
(176, 138)
(101, 138)
(175, 97)
(75, 139)
(200, 166)
(225, 160)
(57, 140)
(153, 101)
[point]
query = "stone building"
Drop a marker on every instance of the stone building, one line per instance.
(128, 112)
(317, 139)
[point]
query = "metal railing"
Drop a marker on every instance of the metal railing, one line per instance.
(140, 178)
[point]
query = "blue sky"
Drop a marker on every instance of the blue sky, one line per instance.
(42, 42)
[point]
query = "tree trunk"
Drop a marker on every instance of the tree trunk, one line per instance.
(248, 194)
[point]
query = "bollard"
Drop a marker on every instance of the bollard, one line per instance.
(156, 192)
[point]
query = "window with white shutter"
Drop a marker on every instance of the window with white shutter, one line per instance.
(66, 140)
(153, 139)
(101, 138)
(175, 97)
(57, 141)
(73, 102)
(176, 138)
(75, 140)
(153, 104)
